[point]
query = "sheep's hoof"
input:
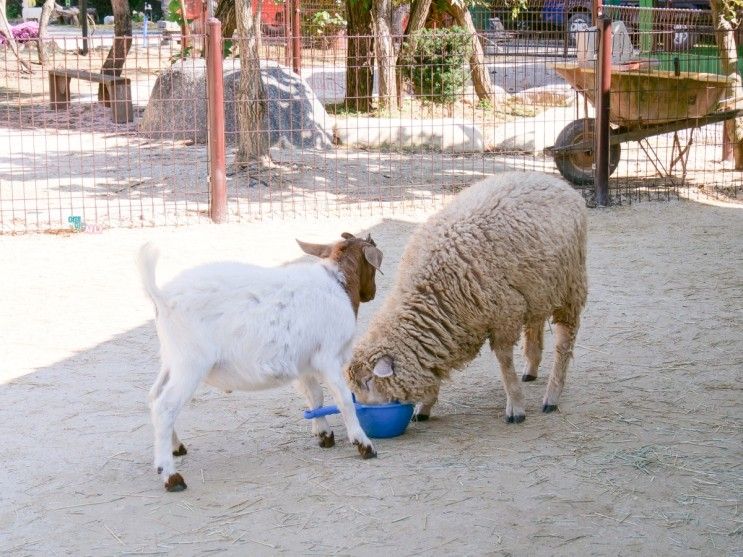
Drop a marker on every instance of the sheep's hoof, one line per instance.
(180, 451)
(420, 418)
(547, 408)
(366, 451)
(175, 483)
(327, 440)
(517, 419)
(526, 378)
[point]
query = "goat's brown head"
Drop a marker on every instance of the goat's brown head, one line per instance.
(357, 258)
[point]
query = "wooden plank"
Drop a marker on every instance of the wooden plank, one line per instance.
(88, 76)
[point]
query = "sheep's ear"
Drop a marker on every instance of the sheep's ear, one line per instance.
(374, 256)
(318, 250)
(384, 367)
(347, 236)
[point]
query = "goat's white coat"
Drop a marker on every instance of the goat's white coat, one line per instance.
(242, 327)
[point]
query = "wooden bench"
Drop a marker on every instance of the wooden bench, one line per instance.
(118, 92)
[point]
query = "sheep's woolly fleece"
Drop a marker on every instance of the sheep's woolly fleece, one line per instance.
(506, 252)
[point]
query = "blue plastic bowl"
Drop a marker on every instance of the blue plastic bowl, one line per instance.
(377, 420)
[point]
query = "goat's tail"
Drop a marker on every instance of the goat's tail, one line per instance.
(146, 262)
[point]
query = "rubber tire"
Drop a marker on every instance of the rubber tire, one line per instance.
(572, 20)
(577, 167)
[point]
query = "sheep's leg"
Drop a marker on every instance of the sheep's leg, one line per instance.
(162, 379)
(514, 397)
(423, 410)
(178, 390)
(533, 345)
(564, 341)
(311, 389)
(342, 395)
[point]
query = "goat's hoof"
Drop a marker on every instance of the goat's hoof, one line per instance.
(159, 469)
(526, 378)
(175, 483)
(366, 451)
(420, 418)
(515, 419)
(180, 451)
(547, 408)
(327, 440)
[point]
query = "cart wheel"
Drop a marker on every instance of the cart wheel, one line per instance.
(577, 166)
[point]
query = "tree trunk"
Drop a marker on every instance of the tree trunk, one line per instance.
(46, 13)
(116, 58)
(725, 37)
(385, 54)
(418, 15)
(253, 143)
(478, 69)
(5, 30)
(359, 56)
(225, 13)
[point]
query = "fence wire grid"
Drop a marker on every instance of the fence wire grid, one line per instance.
(76, 153)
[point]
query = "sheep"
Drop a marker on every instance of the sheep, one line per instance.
(242, 327)
(505, 255)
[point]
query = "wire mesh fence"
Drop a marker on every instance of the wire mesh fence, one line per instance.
(84, 151)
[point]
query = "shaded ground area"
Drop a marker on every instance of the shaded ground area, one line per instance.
(644, 456)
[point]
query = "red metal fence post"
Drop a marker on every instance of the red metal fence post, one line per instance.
(296, 36)
(215, 112)
(603, 96)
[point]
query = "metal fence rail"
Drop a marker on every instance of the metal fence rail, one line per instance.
(68, 164)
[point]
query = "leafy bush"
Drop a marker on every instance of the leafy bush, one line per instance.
(438, 65)
(322, 26)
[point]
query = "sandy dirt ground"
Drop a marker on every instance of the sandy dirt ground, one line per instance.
(644, 458)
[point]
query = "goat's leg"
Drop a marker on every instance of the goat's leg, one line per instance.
(342, 395)
(564, 341)
(423, 409)
(533, 346)
(511, 384)
(179, 448)
(178, 390)
(310, 388)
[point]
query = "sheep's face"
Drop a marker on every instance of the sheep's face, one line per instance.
(368, 379)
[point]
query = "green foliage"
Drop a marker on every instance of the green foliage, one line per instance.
(438, 66)
(516, 7)
(184, 53)
(324, 22)
(13, 10)
(174, 12)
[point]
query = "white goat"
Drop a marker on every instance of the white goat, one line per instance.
(242, 327)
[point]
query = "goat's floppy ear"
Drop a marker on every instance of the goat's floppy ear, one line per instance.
(318, 250)
(347, 236)
(374, 256)
(384, 367)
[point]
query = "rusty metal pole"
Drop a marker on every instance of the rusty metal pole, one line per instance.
(603, 96)
(215, 113)
(288, 11)
(296, 36)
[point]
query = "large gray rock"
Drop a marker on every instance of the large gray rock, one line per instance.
(177, 106)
